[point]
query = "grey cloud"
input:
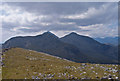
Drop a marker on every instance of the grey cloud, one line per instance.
(56, 8)
(54, 11)
(53, 27)
(109, 15)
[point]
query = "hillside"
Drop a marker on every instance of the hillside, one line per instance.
(27, 64)
(47, 43)
(0, 65)
(72, 47)
(92, 48)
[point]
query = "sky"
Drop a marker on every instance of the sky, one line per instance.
(93, 19)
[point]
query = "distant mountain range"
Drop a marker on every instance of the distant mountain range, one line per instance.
(108, 40)
(72, 47)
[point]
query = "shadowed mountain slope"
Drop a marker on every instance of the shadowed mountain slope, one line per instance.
(72, 47)
(47, 43)
(91, 47)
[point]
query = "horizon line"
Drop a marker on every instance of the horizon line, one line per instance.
(55, 35)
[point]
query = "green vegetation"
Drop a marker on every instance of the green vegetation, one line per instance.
(27, 64)
(0, 73)
(0, 65)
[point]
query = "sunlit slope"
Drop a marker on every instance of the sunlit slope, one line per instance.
(0, 64)
(0, 73)
(27, 64)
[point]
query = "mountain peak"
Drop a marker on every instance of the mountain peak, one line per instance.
(48, 33)
(74, 33)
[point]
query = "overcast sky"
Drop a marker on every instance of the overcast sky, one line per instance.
(94, 19)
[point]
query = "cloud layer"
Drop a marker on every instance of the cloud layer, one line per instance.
(94, 19)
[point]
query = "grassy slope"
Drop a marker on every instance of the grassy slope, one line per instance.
(0, 73)
(18, 65)
(0, 66)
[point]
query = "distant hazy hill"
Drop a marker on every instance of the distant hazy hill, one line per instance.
(73, 47)
(108, 40)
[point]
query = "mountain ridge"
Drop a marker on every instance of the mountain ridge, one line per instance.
(51, 44)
